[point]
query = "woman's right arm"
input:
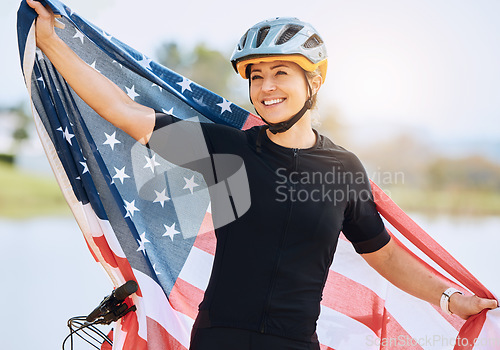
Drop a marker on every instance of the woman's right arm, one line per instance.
(100, 93)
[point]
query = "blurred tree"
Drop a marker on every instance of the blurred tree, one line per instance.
(207, 67)
(329, 123)
(474, 172)
(403, 153)
(22, 123)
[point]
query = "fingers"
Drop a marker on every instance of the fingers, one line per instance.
(489, 303)
(482, 303)
(37, 6)
(42, 11)
(58, 23)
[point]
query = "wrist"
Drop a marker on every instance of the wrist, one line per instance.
(50, 43)
(446, 297)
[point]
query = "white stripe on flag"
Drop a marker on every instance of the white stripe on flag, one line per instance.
(197, 268)
(418, 317)
(408, 311)
(489, 338)
(156, 306)
(100, 227)
(353, 266)
(340, 332)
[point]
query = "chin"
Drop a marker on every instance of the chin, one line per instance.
(273, 119)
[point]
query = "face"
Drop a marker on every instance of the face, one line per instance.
(278, 89)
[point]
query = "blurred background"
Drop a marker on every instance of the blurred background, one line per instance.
(413, 89)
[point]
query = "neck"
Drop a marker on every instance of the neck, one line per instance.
(300, 135)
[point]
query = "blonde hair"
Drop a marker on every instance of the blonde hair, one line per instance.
(310, 76)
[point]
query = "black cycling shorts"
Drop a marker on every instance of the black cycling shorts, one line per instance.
(221, 338)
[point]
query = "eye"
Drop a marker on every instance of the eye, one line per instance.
(255, 77)
(281, 72)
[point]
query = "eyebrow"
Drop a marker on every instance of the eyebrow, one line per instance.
(273, 67)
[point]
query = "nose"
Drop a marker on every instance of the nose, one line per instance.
(268, 85)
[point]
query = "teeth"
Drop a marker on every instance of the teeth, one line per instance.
(272, 102)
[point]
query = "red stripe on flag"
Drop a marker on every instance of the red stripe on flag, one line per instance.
(105, 250)
(185, 298)
(130, 326)
(252, 121)
(159, 338)
(206, 242)
(415, 234)
(115, 261)
(368, 308)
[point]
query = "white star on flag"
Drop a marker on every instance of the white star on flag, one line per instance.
(39, 54)
(161, 197)
(154, 268)
(130, 208)
(79, 35)
(43, 81)
(158, 86)
(93, 66)
(85, 168)
(106, 35)
(185, 84)
(170, 112)
(151, 163)
(120, 174)
(190, 184)
(170, 231)
(68, 136)
(145, 62)
(142, 241)
(111, 140)
(225, 105)
(200, 101)
(131, 92)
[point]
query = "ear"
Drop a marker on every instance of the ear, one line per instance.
(316, 83)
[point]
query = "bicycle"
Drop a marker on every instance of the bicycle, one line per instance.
(111, 309)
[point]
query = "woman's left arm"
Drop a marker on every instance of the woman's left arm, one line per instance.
(407, 273)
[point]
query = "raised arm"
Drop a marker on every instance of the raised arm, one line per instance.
(408, 274)
(100, 93)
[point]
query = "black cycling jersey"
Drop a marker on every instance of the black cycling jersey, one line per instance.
(271, 264)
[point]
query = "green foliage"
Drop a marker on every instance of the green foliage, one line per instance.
(25, 195)
(473, 172)
(207, 67)
(23, 122)
(6, 158)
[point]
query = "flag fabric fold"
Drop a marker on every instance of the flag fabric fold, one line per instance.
(146, 219)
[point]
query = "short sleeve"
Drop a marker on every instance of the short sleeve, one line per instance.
(362, 226)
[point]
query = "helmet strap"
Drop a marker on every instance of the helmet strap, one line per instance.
(287, 124)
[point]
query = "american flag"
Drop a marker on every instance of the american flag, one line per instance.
(148, 220)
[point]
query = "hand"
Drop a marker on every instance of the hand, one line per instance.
(466, 306)
(45, 23)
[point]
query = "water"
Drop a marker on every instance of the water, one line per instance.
(48, 275)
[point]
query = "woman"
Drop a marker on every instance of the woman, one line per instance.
(271, 264)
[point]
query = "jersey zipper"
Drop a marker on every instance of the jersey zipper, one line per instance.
(283, 239)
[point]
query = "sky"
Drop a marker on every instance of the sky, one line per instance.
(427, 65)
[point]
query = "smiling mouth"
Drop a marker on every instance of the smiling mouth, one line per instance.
(273, 102)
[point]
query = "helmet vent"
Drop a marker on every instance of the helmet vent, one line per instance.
(242, 42)
(261, 35)
(312, 42)
(289, 33)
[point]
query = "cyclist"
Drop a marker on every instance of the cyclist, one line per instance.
(271, 264)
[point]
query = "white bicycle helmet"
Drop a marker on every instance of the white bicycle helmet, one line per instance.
(281, 38)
